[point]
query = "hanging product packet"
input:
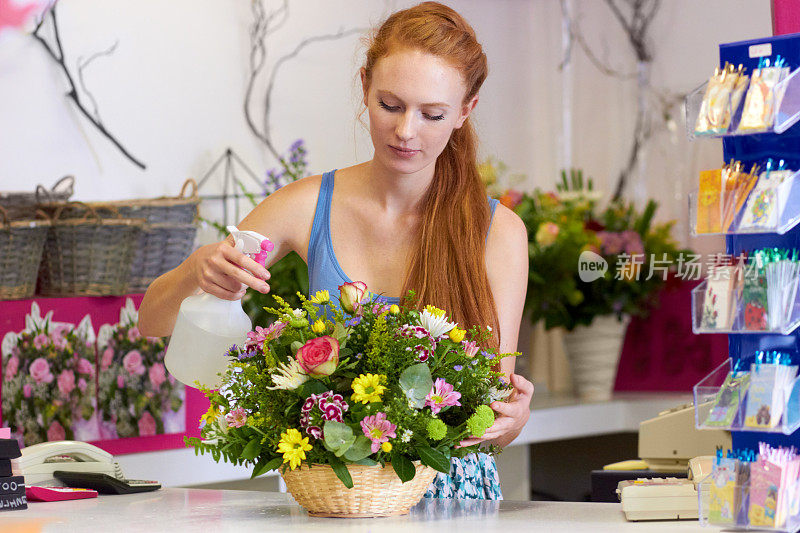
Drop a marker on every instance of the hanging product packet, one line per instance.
(755, 304)
(768, 199)
(723, 290)
(729, 476)
(727, 401)
(773, 483)
(782, 271)
(709, 205)
(758, 113)
(770, 381)
(720, 100)
(736, 188)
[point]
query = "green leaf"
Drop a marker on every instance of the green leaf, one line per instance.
(416, 383)
(341, 471)
(339, 332)
(361, 448)
(252, 449)
(296, 345)
(262, 467)
(403, 467)
(338, 437)
(433, 458)
(367, 462)
(312, 386)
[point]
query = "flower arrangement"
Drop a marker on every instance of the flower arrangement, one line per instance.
(641, 255)
(136, 395)
(363, 383)
(49, 381)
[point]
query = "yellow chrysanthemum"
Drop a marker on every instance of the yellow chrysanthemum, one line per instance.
(318, 326)
(386, 446)
(367, 388)
(320, 297)
(457, 335)
(394, 309)
(293, 446)
(435, 311)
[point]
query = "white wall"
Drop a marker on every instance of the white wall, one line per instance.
(172, 92)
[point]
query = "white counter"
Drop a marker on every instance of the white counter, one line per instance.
(552, 418)
(176, 510)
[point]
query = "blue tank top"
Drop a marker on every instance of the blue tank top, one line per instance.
(324, 271)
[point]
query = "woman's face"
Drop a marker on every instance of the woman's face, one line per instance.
(415, 101)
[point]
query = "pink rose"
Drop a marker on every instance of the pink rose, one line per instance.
(82, 385)
(40, 341)
(66, 382)
(56, 431)
(133, 363)
(133, 334)
(12, 367)
(157, 375)
(319, 357)
(40, 371)
(27, 390)
(120, 382)
(351, 294)
(106, 358)
(147, 425)
(85, 367)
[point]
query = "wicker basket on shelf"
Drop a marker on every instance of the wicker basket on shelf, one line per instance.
(21, 245)
(88, 256)
(377, 491)
(167, 237)
(23, 205)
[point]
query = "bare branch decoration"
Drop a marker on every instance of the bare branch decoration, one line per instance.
(73, 94)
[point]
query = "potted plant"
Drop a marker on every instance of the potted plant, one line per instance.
(358, 407)
(591, 269)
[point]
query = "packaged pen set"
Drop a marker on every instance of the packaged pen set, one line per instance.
(742, 198)
(755, 396)
(719, 109)
(756, 291)
(749, 489)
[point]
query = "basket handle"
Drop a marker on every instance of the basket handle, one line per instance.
(5, 222)
(186, 183)
(64, 185)
(90, 211)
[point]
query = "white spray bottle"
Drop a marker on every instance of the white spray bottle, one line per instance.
(208, 326)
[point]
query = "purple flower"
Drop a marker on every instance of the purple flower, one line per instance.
(611, 242)
(321, 407)
(632, 242)
(458, 368)
(298, 144)
(356, 320)
(441, 395)
(378, 429)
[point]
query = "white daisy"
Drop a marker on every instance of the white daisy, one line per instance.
(288, 376)
(435, 322)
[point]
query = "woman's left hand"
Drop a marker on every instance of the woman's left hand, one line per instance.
(511, 415)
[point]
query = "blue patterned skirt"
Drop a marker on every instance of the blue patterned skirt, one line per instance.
(474, 477)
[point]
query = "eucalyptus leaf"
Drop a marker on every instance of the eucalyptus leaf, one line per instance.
(416, 383)
(339, 333)
(312, 386)
(341, 471)
(338, 437)
(360, 449)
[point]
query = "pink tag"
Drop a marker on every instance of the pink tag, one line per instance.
(5, 433)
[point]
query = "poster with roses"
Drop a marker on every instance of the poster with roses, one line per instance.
(136, 396)
(49, 390)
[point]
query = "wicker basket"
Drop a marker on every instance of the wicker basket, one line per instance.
(377, 491)
(21, 245)
(161, 248)
(23, 205)
(88, 256)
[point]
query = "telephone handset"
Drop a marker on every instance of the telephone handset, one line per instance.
(76, 464)
(38, 462)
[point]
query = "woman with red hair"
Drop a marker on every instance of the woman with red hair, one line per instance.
(416, 216)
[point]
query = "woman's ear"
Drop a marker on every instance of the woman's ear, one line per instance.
(363, 73)
(466, 109)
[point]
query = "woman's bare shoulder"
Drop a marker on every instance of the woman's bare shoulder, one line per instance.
(507, 230)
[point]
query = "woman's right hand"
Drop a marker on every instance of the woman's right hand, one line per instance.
(225, 272)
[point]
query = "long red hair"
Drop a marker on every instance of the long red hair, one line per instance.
(447, 266)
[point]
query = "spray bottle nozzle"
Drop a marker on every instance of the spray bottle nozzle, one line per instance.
(252, 244)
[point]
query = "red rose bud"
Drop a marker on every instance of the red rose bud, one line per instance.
(351, 294)
(319, 357)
